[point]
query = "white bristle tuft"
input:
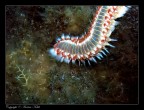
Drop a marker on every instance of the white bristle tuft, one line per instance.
(98, 57)
(66, 60)
(61, 60)
(63, 37)
(58, 39)
(52, 52)
(93, 59)
(103, 52)
(73, 61)
(110, 45)
(106, 50)
(122, 10)
(67, 37)
(58, 57)
(112, 39)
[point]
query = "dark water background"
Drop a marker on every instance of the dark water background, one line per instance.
(33, 77)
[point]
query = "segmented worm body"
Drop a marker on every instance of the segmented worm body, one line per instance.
(93, 43)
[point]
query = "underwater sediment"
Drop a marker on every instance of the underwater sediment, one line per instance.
(33, 77)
